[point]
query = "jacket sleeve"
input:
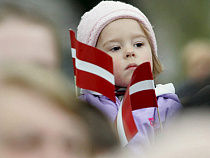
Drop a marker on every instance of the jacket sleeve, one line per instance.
(108, 107)
(169, 106)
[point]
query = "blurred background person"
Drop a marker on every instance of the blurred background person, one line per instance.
(196, 59)
(41, 118)
(200, 99)
(196, 65)
(27, 36)
(62, 14)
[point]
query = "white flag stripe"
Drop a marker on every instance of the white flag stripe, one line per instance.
(73, 52)
(120, 128)
(94, 69)
(142, 85)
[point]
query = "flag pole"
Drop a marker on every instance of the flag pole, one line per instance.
(161, 126)
(76, 89)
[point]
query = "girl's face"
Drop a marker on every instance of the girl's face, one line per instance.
(125, 41)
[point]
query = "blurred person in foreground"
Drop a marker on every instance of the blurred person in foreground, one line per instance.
(196, 64)
(189, 137)
(40, 117)
(26, 35)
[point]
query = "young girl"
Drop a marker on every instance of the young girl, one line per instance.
(124, 32)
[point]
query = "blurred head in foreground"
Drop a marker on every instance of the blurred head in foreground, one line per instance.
(41, 118)
(188, 138)
(28, 36)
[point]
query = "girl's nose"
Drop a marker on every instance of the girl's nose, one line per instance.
(129, 53)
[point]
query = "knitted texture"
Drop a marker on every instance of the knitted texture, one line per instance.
(93, 22)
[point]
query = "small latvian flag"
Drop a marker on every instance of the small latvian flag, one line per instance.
(93, 68)
(140, 94)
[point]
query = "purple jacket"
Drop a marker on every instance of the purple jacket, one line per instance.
(146, 119)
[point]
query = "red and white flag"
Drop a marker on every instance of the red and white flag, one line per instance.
(93, 68)
(140, 94)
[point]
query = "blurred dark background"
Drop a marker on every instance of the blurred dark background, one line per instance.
(176, 22)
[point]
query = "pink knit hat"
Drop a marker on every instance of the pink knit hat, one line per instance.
(93, 22)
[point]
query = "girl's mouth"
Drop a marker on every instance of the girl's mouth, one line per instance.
(131, 66)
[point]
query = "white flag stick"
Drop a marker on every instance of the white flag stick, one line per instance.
(161, 126)
(76, 89)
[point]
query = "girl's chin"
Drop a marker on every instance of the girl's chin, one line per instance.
(124, 80)
(123, 84)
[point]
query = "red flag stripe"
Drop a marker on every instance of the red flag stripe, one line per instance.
(90, 81)
(73, 37)
(128, 120)
(94, 69)
(143, 99)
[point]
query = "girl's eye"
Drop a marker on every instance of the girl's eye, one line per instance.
(115, 49)
(139, 44)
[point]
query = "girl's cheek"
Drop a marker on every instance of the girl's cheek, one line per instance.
(116, 65)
